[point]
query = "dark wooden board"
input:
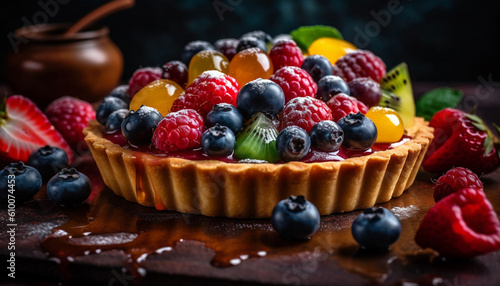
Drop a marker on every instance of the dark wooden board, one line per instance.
(330, 257)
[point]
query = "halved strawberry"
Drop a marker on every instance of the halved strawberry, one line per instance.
(460, 140)
(24, 129)
(461, 225)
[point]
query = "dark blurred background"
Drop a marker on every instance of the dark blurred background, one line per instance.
(441, 40)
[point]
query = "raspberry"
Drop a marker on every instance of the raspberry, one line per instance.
(209, 89)
(70, 116)
(359, 63)
(342, 104)
(227, 47)
(141, 78)
(179, 130)
(286, 53)
(295, 82)
(461, 225)
(304, 112)
(454, 180)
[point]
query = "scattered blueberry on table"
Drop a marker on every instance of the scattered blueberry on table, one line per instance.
(295, 218)
(376, 229)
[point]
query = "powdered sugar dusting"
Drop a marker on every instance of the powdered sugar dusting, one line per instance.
(211, 74)
(39, 230)
(157, 70)
(259, 85)
(145, 110)
(290, 69)
(405, 212)
(104, 239)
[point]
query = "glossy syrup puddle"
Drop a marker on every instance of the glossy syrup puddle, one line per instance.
(112, 223)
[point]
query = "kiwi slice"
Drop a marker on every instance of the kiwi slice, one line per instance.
(257, 140)
(397, 93)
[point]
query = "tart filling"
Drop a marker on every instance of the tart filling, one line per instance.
(244, 190)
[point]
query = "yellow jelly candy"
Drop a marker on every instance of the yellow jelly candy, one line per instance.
(331, 48)
(205, 61)
(159, 94)
(250, 64)
(389, 124)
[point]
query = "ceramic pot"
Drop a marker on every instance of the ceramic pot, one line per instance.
(48, 65)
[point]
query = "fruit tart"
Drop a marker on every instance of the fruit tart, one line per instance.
(233, 131)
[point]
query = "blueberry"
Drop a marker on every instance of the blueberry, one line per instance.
(295, 218)
(108, 105)
(19, 181)
(261, 35)
(138, 126)
(226, 115)
(176, 71)
(218, 140)
(69, 188)
(115, 119)
(48, 161)
(193, 48)
(251, 42)
(260, 95)
(327, 136)
(121, 92)
(317, 66)
(360, 132)
(376, 229)
(293, 143)
(330, 85)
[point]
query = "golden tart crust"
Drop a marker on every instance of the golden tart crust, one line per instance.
(246, 190)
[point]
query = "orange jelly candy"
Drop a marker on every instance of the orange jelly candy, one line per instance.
(389, 124)
(330, 48)
(205, 61)
(250, 64)
(159, 94)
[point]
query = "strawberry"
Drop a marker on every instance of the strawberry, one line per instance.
(24, 129)
(461, 225)
(460, 139)
(454, 180)
(70, 116)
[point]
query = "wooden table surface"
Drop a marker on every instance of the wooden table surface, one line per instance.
(220, 251)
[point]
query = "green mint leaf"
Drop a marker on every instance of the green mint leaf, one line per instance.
(305, 35)
(436, 100)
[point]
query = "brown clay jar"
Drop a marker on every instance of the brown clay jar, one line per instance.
(49, 65)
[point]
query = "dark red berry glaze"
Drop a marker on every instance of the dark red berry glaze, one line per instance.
(314, 156)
